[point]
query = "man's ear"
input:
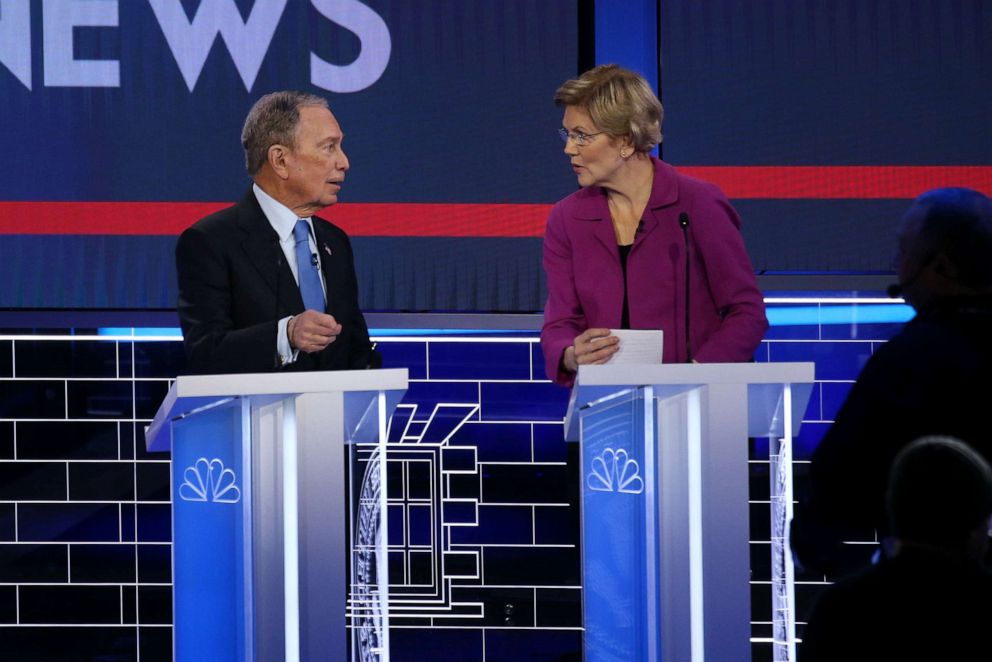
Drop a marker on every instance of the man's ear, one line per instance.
(277, 155)
(944, 267)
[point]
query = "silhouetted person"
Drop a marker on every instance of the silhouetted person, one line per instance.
(929, 597)
(933, 377)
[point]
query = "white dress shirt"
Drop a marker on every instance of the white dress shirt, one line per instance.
(283, 220)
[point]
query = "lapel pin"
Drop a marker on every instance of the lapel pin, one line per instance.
(327, 250)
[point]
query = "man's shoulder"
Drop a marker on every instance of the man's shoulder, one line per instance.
(950, 336)
(226, 220)
(219, 221)
(216, 232)
(322, 225)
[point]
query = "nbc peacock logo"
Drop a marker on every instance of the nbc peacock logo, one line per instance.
(614, 471)
(209, 480)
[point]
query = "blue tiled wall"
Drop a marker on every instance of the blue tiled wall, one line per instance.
(84, 509)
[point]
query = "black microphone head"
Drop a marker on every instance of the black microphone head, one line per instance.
(894, 291)
(684, 220)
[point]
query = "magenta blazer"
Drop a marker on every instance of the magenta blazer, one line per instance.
(585, 280)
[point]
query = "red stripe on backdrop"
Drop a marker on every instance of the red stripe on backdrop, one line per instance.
(839, 182)
(496, 220)
(357, 219)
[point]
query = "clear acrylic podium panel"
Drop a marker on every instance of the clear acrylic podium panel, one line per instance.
(289, 564)
(368, 597)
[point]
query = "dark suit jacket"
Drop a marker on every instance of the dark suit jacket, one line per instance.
(235, 286)
(933, 377)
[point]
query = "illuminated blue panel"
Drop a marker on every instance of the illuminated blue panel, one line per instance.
(889, 313)
(142, 332)
(176, 332)
(210, 594)
(818, 311)
(618, 554)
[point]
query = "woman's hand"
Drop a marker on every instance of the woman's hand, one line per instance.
(591, 346)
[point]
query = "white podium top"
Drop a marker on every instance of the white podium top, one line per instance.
(191, 392)
(595, 382)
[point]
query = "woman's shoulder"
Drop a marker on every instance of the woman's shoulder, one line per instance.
(703, 200)
(688, 185)
(587, 198)
(587, 203)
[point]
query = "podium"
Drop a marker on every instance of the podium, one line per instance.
(279, 514)
(664, 467)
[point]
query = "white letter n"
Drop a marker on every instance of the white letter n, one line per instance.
(15, 38)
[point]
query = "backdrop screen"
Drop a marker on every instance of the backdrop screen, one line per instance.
(821, 119)
(123, 118)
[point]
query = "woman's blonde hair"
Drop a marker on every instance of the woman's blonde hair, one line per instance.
(619, 101)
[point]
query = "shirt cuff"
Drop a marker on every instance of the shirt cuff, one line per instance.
(287, 354)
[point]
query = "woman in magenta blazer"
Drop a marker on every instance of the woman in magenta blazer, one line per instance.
(639, 246)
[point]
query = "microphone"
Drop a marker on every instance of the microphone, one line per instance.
(315, 260)
(684, 224)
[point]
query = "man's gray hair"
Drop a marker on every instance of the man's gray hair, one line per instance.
(273, 121)
(958, 222)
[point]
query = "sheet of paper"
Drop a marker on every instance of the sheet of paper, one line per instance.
(638, 346)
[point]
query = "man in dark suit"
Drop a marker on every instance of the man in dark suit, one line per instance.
(241, 270)
(933, 377)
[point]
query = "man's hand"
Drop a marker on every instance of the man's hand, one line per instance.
(311, 331)
(591, 346)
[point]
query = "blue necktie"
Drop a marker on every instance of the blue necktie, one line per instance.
(306, 267)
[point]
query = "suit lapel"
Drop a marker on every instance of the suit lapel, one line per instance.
(664, 193)
(593, 210)
(607, 235)
(329, 258)
(261, 243)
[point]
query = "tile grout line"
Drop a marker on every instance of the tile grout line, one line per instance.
(535, 626)
(533, 525)
(134, 454)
